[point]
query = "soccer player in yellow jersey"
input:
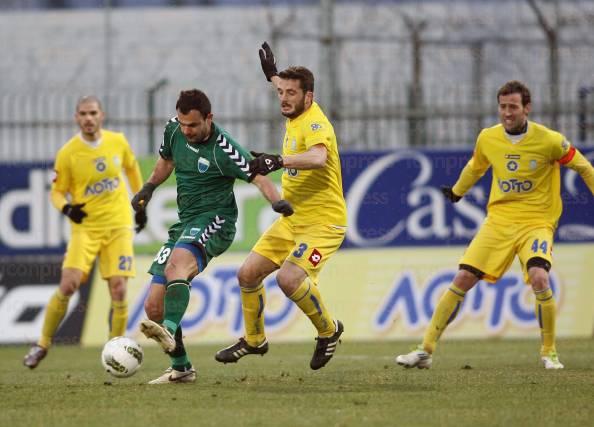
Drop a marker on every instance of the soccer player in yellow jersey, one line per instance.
(89, 169)
(298, 245)
(523, 211)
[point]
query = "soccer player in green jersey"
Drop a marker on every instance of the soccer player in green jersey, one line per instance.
(206, 161)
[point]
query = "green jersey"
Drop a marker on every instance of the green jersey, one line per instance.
(205, 172)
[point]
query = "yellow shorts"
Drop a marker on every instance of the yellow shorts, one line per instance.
(496, 244)
(308, 247)
(114, 247)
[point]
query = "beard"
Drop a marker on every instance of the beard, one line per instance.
(299, 108)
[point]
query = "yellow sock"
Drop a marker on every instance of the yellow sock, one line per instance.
(54, 313)
(445, 312)
(253, 301)
(119, 319)
(308, 299)
(546, 310)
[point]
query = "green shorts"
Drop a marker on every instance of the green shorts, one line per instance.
(211, 234)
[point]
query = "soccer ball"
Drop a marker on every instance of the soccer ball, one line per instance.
(121, 357)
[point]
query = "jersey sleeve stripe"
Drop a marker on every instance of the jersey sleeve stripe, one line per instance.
(234, 155)
(568, 157)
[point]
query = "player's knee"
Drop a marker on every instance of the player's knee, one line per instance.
(538, 273)
(117, 288)
(466, 279)
(248, 277)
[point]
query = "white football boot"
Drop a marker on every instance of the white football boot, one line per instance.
(418, 358)
(171, 376)
(552, 361)
(158, 333)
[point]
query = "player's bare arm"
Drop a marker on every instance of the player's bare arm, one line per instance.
(270, 193)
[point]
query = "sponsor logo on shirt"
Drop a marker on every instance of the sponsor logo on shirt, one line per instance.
(512, 156)
(106, 184)
(515, 186)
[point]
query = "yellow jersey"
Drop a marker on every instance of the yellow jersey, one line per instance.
(526, 177)
(316, 194)
(93, 175)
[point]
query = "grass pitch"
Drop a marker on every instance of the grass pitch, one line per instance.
(472, 383)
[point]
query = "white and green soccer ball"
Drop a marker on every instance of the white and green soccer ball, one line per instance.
(122, 356)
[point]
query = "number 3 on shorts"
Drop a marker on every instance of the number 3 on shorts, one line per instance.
(543, 246)
(162, 255)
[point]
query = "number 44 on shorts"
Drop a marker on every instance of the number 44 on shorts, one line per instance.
(315, 257)
(543, 246)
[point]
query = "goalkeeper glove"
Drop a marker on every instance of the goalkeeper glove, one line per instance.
(140, 219)
(450, 195)
(264, 163)
(141, 199)
(283, 207)
(74, 212)
(267, 61)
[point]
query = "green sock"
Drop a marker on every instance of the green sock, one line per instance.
(177, 297)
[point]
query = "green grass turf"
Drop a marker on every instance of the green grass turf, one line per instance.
(472, 383)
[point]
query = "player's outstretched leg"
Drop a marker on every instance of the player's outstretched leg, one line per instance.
(55, 311)
(445, 312)
(253, 300)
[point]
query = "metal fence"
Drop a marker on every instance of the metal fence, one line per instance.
(35, 126)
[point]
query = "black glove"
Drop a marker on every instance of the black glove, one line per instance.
(450, 195)
(140, 219)
(267, 61)
(283, 207)
(141, 199)
(74, 212)
(264, 163)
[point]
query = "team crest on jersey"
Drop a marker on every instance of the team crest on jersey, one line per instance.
(100, 164)
(512, 166)
(316, 126)
(194, 231)
(533, 164)
(116, 160)
(294, 144)
(203, 165)
(292, 172)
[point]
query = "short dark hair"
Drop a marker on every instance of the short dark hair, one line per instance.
(305, 77)
(515, 86)
(86, 99)
(193, 99)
